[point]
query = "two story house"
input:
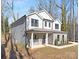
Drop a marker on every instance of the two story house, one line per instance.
(38, 28)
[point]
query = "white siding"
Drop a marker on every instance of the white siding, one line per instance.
(41, 23)
(56, 22)
(45, 15)
(34, 17)
(60, 38)
(47, 27)
(27, 23)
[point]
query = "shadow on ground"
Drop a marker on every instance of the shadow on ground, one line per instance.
(12, 53)
(3, 55)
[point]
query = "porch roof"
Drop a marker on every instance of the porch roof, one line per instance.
(40, 30)
(61, 32)
(45, 30)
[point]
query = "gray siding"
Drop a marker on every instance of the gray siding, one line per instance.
(18, 30)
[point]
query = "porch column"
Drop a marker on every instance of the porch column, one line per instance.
(46, 41)
(31, 40)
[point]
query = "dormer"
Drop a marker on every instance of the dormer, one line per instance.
(57, 25)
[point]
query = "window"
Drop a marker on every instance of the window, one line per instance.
(34, 22)
(35, 36)
(45, 23)
(58, 37)
(56, 26)
(63, 38)
(49, 24)
(44, 36)
(43, 41)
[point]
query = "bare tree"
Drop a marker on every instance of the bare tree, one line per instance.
(41, 4)
(4, 18)
(49, 5)
(11, 7)
(31, 10)
(73, 4)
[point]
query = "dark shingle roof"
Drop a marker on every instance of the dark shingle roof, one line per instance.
(19, 21)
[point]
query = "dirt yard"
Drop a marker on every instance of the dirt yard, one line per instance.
(53, 53)
(19, 52)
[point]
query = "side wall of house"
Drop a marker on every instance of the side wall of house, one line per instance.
(18, 31)
(60, 37)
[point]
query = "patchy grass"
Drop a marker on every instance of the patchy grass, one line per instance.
(53, 53)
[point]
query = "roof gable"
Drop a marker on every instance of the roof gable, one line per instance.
(57, 20)
(45, 15)
(35, 15)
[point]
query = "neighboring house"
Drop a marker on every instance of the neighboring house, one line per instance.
(38, 28)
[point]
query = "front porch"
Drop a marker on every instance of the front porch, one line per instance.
(38, 38)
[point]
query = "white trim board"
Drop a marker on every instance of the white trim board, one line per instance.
(54, 46)
(64, 46)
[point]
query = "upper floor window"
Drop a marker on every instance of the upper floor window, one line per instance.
(45, 23)
(56, 26)
(49, 24)
(34, 22)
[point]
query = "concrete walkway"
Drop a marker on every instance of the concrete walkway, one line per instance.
(64, 46)
(54, 46)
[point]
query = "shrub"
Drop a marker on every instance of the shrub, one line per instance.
(61, 42)
(56, 42)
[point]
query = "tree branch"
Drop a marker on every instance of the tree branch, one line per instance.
(58, 6)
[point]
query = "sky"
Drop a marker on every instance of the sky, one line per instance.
(22, 6)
